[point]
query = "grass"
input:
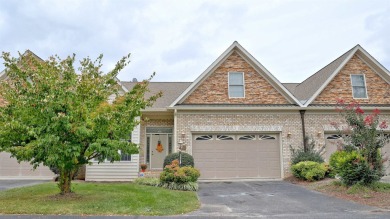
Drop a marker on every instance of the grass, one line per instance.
(97, 199)
(147, 181)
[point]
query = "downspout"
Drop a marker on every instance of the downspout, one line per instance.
(174, 130)
(302, 112)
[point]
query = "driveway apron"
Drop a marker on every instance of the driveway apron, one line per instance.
(274, 199)
(9, 183)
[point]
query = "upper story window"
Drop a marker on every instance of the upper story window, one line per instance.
(359, 86)
(236, 84)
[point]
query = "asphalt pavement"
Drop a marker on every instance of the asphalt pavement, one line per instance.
(253, 199)
(10, 183)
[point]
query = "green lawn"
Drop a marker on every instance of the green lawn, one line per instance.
(97, 199)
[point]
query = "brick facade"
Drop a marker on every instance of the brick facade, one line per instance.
(317, 125)
(259, 122)
(214, 90)
(378, 90)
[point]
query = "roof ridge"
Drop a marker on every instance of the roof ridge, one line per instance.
(329, 64)
(159, 81)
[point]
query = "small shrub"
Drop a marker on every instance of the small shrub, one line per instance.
(186, 159)
(329, 171)
(309, 170)
(179, 178)
(299, 155)
(192, 173)
(147, 181)
(352, 168)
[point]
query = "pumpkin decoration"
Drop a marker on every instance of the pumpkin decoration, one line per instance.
(159, 147)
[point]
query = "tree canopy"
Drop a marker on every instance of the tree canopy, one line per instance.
(60, 117)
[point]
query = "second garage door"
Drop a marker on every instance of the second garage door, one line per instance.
(333, 141)
(220, 156)
(11, 169)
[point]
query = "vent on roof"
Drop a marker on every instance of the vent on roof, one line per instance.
(135, 80)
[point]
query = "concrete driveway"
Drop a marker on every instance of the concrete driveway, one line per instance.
(9, 184)
(276, 199)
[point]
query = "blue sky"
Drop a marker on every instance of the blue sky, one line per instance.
(179, 39)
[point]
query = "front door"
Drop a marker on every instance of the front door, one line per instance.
(159, 149)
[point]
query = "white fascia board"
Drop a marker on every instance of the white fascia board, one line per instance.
(312, 98)
(236, 108)
(271, 78)
(313, 108)
(157, 110)
(223, 56)
(383, 73)
(120, 83)
(2, 73)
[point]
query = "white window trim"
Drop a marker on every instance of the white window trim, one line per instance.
(243, 83)
(365, 86)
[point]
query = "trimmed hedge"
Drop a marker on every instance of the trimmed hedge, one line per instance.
(186, 159)
(309, 170)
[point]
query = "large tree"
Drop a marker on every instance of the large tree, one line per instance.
(60, 117)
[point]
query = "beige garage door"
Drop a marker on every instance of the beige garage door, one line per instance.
(219, 156)
(11, 169)
(333, 141)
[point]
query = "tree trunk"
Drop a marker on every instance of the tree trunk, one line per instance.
(64, 182)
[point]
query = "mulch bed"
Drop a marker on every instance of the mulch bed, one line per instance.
(365, 197)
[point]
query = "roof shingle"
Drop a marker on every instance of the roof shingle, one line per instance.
(170, 91)
(308, 87)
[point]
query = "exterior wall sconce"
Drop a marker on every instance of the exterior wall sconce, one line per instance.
(319, 134)
(288, 134)
(183, 134)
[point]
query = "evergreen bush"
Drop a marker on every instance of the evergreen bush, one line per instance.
(186, 159)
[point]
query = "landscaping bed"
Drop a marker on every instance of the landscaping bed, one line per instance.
(97, 199)
(377, 195)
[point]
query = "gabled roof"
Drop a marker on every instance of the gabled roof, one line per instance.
(309, 89)
(252, 61)
(170, 91)
(3, 74)
(290, 86)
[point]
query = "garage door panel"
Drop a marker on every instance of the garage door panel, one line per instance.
(246, 157)
(223, 156)
(208, 174)
(386, 154)
(223, 173)
(238, 158)
(10, 168)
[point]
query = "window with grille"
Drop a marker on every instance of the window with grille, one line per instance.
(236, 84)
(358, 86)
